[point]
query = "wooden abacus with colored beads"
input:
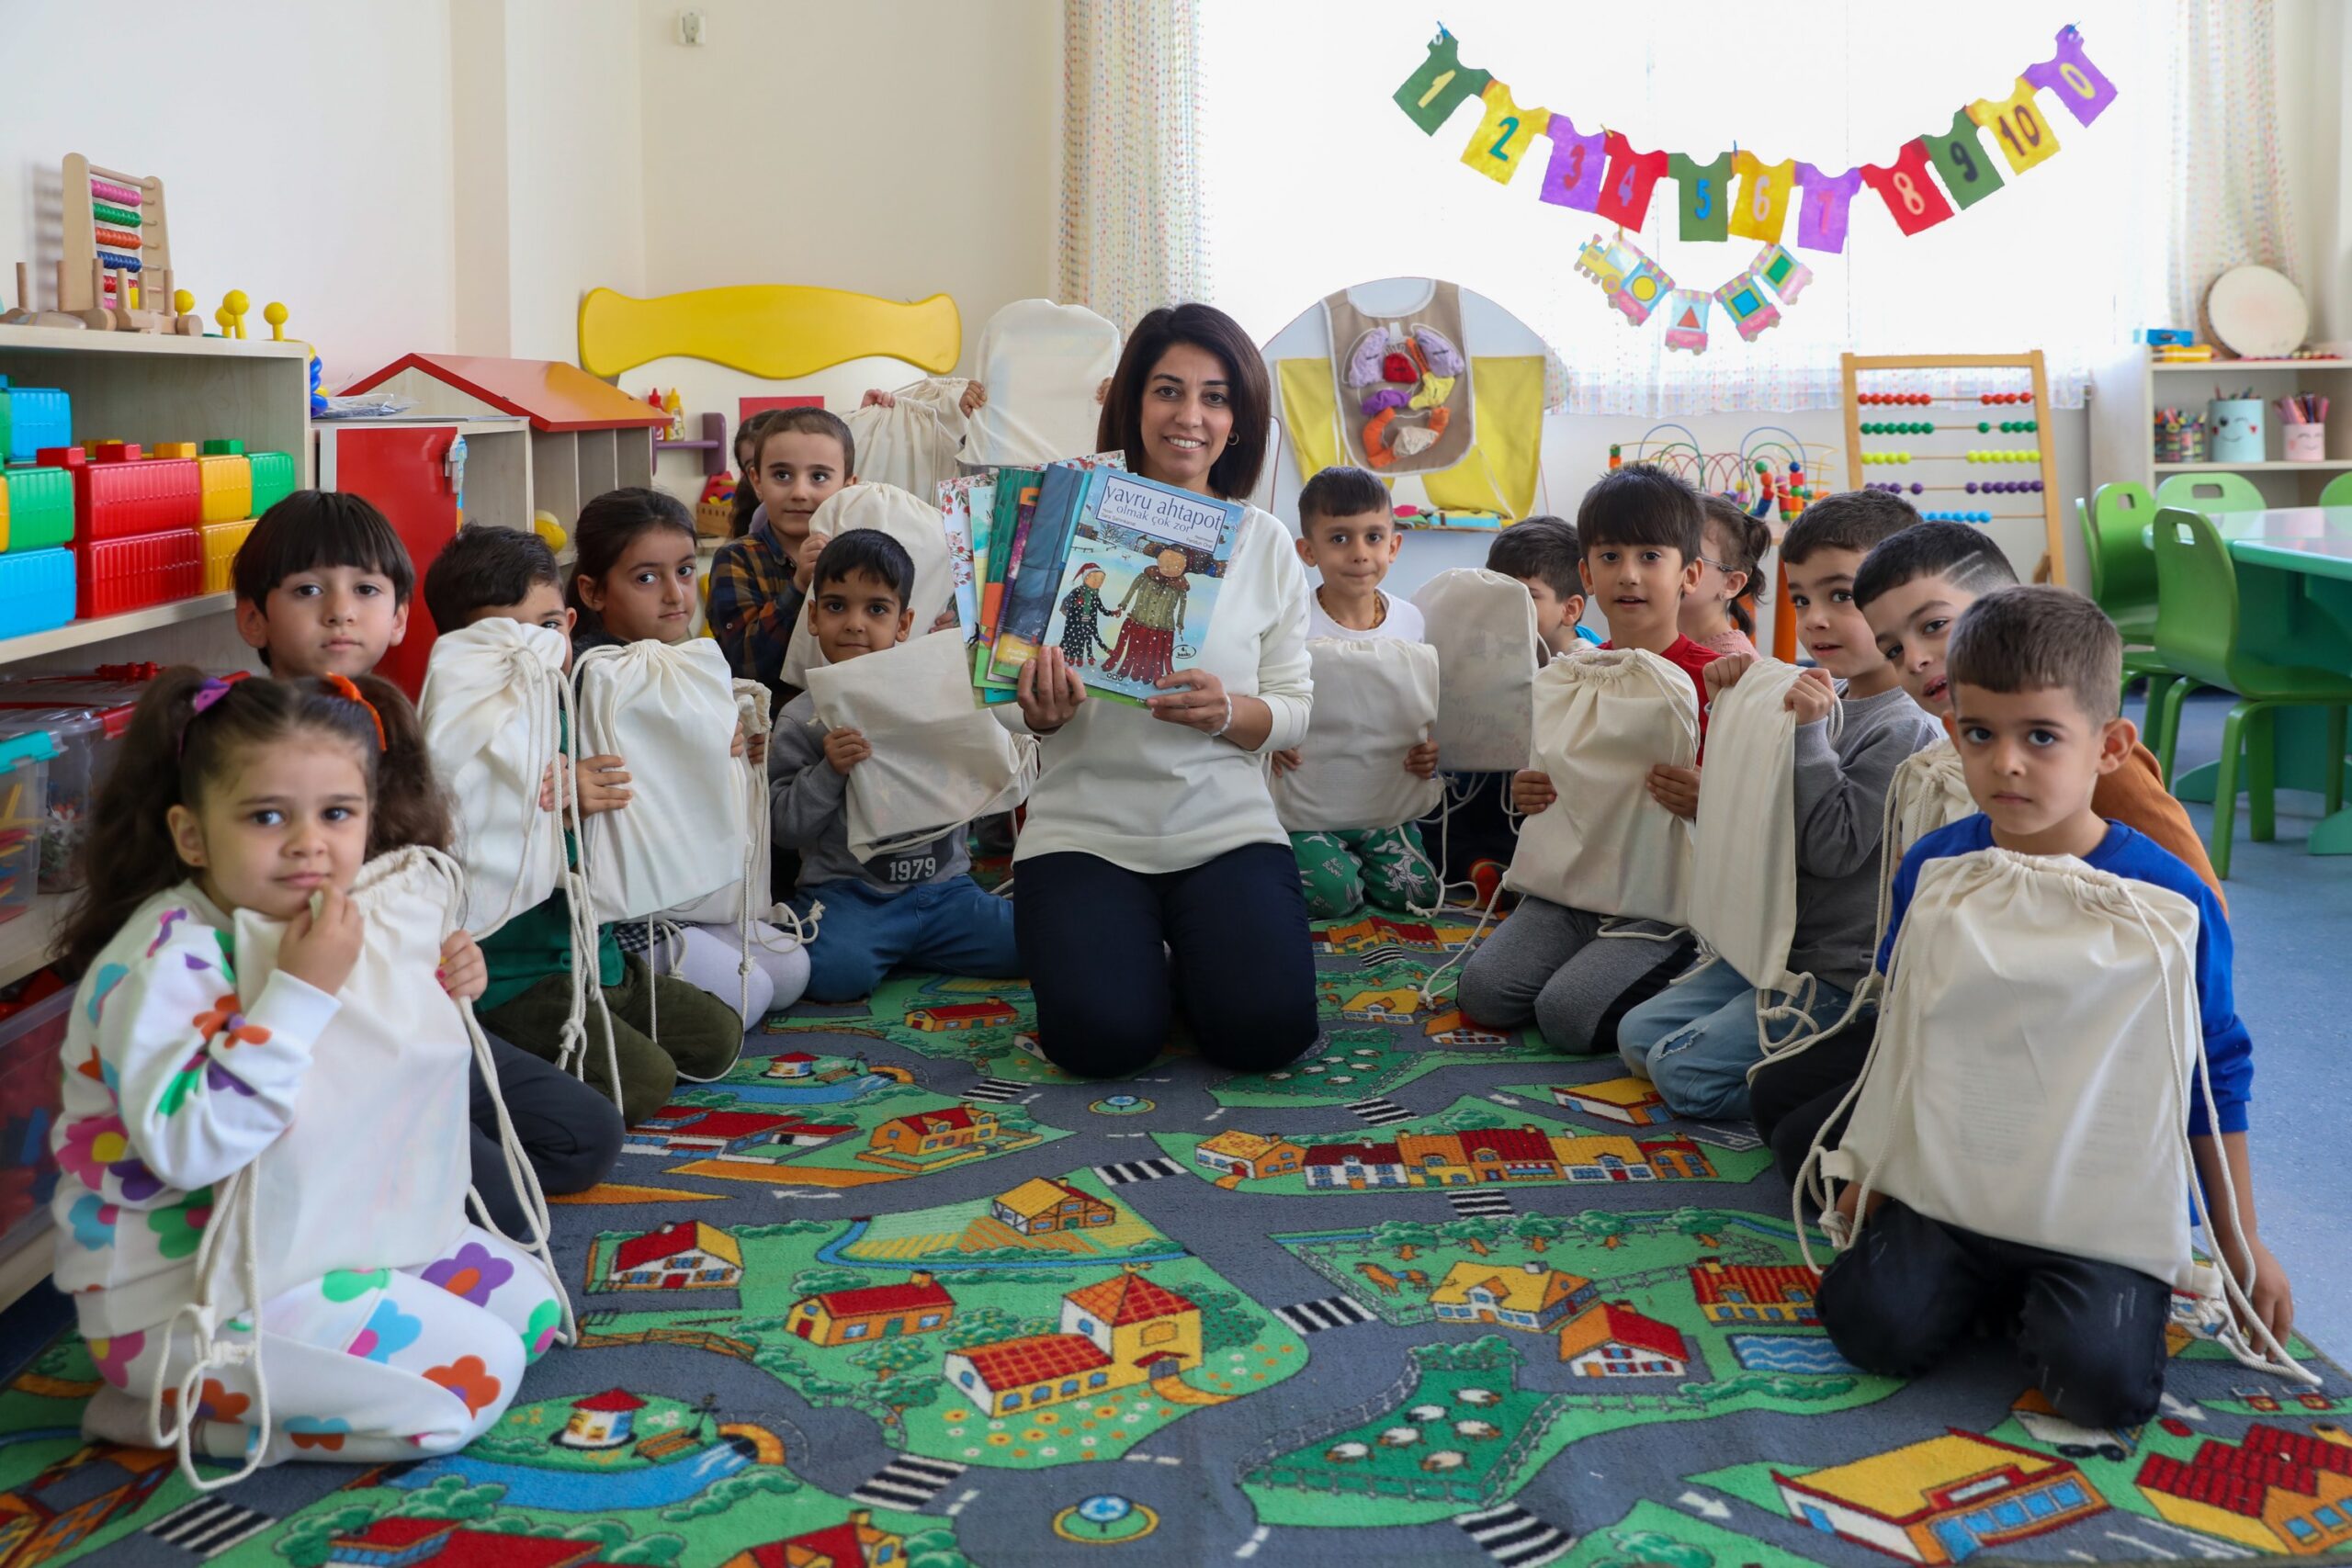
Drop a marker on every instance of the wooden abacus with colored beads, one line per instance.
(2002, 407)
(115, 270)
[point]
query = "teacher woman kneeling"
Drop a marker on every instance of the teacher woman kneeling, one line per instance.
(1153, 875)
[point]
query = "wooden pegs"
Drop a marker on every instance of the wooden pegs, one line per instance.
(61, 317)
(23, 313)
(97, 317)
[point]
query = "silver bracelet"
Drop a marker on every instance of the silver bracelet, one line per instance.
(1219, 731)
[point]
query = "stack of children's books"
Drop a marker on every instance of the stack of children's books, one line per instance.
(1121, 572)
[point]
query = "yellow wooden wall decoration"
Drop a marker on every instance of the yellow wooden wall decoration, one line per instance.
(775, 330)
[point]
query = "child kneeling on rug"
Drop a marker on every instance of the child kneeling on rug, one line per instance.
(1347, 532)
(2015, 1148)
(265, 1025)
(915, 905)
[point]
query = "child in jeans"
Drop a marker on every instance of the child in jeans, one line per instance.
(1912, 589)
(1696, 1040)
(917, 906)
(1348, 533)
(1640, 526)
(2035, 675)
(324, 586)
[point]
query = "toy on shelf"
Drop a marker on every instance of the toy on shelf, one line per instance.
(231, 313)
(1954, 381)
(275, 314)
(115, 270)
(1774, 473)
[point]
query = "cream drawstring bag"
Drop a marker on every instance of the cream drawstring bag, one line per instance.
(2037, 1053)
(1482, 624)
(1928, 792)
(939, 760)
(911, 520)
(668, 711)
(491, 710)
(1041, 363)
(1603, 717)
(391, 1065)
(1375, 699)
(912, 443)
(1744, 860)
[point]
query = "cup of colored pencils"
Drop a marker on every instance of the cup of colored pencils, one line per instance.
(2302, 428)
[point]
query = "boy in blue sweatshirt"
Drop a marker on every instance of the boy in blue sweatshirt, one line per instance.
(2035, 674)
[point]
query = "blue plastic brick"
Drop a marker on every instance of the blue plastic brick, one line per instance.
(38, 417)
(36, 592)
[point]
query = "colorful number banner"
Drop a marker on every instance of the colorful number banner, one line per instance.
(1737, 195)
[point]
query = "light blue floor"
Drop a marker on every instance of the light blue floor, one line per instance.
(2292, 915)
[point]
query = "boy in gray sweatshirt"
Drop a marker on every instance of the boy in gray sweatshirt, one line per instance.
(917, 906)
(1696, 1040)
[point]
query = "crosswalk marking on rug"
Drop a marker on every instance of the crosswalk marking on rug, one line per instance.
(995, 1089)
(210, 1525)
(1380, 1112)
(1477, 1204)
(1332, 1311)
(907, 1483)
(1388, 952)
(1513, 1537)
(1124, 1171)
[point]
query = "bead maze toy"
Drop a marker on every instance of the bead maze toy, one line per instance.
(2015, 404)
(1772, 472)
(115, 249)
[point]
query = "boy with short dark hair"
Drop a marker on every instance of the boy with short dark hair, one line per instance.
(322, 589)
(1696, 1041)
(1545, 554)
(757, 582)
(1348, 533)
(916, 906)
(487, 573)
(322, 586)
(1912, 588)
(2035, 673)
(1640, 527)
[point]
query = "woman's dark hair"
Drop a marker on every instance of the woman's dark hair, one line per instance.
(1235, 473)
(171, 755)
(808, 421)
(1744, 540)
(607, 526)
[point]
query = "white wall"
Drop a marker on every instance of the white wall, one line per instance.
(304, 151)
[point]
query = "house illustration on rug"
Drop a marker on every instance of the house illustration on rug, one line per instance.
(1628, 1100)
(1609, 1339)
(1042, 1206)
(698, 1130)
(1942, 1500)
(1251, 1154)
(72, 1498)
(1735, 1293)
(600, 1421)
(1451, 1028)
(1489, 1156)
(791, 1065)
(2277, 1491)
(1531, 1298)
(688, 1256)
(446, 1543)
(993, 1013)
(933, 1140)
(852, 1543)
(921, 1305)
(1115, 1334)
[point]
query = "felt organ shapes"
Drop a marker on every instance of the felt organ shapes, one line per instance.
(1395, 373)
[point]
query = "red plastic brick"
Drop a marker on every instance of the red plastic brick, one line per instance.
(117, 496)
(113, 576)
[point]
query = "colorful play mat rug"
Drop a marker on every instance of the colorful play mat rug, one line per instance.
(898, 1295)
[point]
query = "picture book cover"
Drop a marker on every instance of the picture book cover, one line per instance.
(1030, 584)
(1016, 498)
(963, 505)
(1140, 585)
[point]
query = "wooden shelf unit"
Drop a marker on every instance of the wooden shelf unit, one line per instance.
(2127, 388)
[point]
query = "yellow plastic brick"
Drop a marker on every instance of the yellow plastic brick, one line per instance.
(228, 488)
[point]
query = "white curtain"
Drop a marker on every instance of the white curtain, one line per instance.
(2232, 207)
(1131, 237)
(1313, 179)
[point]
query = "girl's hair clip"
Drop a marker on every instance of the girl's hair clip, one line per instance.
(211, 691)
(344, 687)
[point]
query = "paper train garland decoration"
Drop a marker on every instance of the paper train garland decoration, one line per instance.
(1738, 194)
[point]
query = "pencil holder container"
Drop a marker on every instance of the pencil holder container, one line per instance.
(2237, 429)
(2306, 443)
(2192, 444)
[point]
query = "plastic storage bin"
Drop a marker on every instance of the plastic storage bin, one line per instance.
(120, 494)
(115, 576)
(41, 508)
(221, 542)
(37, 417)
(273, 479)
(86, 743)
(225, 488)
(23, 814)
(36, 592)
(32, 1033)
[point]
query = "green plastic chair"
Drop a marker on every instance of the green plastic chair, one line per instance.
(2338, 492)
(2123, 583)
(2197, 633)
(2211, 492)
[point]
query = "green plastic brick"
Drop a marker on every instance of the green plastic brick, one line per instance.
(41, 508)
(273, 479)
(218, 448)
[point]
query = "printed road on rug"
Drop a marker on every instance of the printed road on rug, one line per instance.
(898, 1295)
